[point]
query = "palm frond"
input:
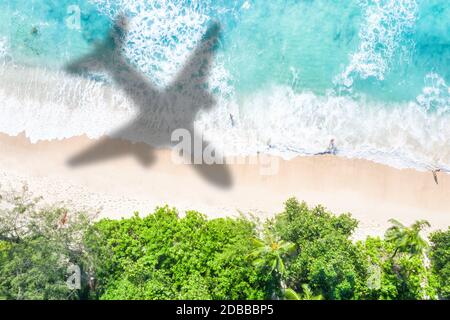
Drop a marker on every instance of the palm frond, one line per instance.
(290, 294)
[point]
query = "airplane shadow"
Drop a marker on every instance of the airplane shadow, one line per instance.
(159, 112)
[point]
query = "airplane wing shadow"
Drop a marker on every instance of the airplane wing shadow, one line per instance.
(159, 111)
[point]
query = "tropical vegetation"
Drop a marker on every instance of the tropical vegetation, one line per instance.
(301, 253)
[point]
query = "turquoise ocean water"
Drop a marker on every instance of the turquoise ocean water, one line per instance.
(373, 74)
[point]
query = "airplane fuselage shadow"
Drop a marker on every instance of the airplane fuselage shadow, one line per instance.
(160, 112)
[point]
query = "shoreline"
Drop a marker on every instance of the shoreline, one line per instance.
(33, 103)
(371, 192)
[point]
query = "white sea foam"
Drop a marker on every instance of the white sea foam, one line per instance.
(435, 95)
(3, 48)
(50, 105)
(162, 35)
(47, 105)
(381, 33)
(287, 124)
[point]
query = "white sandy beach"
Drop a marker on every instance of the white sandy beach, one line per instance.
(371, 192)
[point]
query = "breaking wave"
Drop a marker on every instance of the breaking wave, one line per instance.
(373, 75)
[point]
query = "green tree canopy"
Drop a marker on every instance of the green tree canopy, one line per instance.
(440, 260)
(37, 245)
(163, 256)
(302, 253)
(327, 261)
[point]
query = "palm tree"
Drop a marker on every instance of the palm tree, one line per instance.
(270, 252)
(407, 239)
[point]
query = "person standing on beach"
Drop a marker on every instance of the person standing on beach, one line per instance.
(435, 171)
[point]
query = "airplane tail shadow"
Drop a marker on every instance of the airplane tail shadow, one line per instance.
(179, 102)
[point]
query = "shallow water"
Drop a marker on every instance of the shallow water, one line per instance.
(293, 74)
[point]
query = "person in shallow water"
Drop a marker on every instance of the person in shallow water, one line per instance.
(330, 150)
(34, 31)
(232, 120)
